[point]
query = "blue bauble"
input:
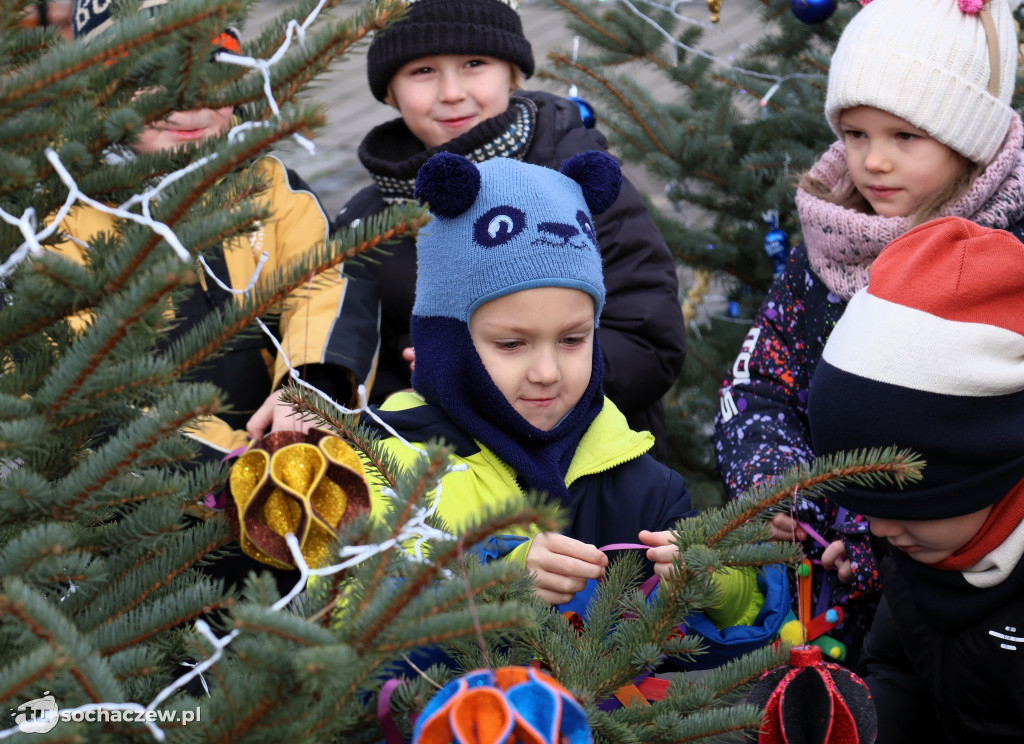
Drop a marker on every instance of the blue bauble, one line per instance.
(586, 112)
(776, 245)
(813, 11)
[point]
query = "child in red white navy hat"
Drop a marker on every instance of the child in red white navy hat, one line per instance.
(919, 96)
(930, 357)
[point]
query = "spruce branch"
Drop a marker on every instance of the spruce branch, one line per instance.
(210, 176)
(442, 556)
(599, 30)
(197, 555)
(163, 430)
(425, 482)
(871, 467)
(101, 352)
(179, 620)
(606, 84)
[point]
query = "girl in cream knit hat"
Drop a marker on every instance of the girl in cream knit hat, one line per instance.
(919, 97)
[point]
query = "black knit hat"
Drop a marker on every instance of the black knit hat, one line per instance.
(487, 27)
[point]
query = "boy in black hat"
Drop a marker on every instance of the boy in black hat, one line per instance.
(452, 68)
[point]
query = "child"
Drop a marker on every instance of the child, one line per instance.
(930, 357)
(509, 368)
(452, 69)
(925, 129)
(334, 352)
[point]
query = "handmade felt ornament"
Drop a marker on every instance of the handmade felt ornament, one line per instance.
(306, 484)
(505, 705)
(813, 702)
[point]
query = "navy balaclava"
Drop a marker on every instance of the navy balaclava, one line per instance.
(501, 227)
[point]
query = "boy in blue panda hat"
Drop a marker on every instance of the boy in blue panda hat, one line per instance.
(509, 293)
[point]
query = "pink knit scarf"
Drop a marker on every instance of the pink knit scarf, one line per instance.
(841, 243)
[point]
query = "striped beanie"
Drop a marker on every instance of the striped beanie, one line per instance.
(930, 357)
(91, 20)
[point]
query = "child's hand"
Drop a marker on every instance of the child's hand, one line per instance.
(835, 558)
(409, 355)
(275, 415)
(661, 551)
(784, 528)
(562, 565)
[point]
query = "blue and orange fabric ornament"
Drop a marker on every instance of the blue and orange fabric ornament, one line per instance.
(810, 701)
(508, 705)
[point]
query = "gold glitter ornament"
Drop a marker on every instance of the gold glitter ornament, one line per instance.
(306, 484)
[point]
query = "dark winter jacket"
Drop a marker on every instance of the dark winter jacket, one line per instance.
(939, 651)
(642, 332)
(762, 428)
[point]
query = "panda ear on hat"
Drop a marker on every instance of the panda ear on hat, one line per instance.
(599, 175)
(448, 184)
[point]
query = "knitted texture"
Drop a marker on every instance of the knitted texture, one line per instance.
(383, 151)
(92, 17)
(507, 226)
(521, 226)
(927, 61)
(930, 357)
(489, 28)
(842, 243)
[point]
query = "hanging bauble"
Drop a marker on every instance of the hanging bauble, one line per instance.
(503, 705)
(587, 114)
(776, 243)
(307, 484)
(813, 11)
(811, 701)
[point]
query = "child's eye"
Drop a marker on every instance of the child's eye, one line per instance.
(476, 62)
(575, 340)
(509, 345)
(906, 136)
(421, 71)
(853, 133)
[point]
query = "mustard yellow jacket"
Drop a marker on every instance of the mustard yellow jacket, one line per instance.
(333, 322)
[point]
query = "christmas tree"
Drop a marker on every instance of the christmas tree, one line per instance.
(109, 621)
(727, 135)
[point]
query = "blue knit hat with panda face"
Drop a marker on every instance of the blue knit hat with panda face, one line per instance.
(504, 226)
(500, 227)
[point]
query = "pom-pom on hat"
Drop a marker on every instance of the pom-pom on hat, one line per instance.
(946, 67)
(490, 28)
(930, 357)
(503, 226)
